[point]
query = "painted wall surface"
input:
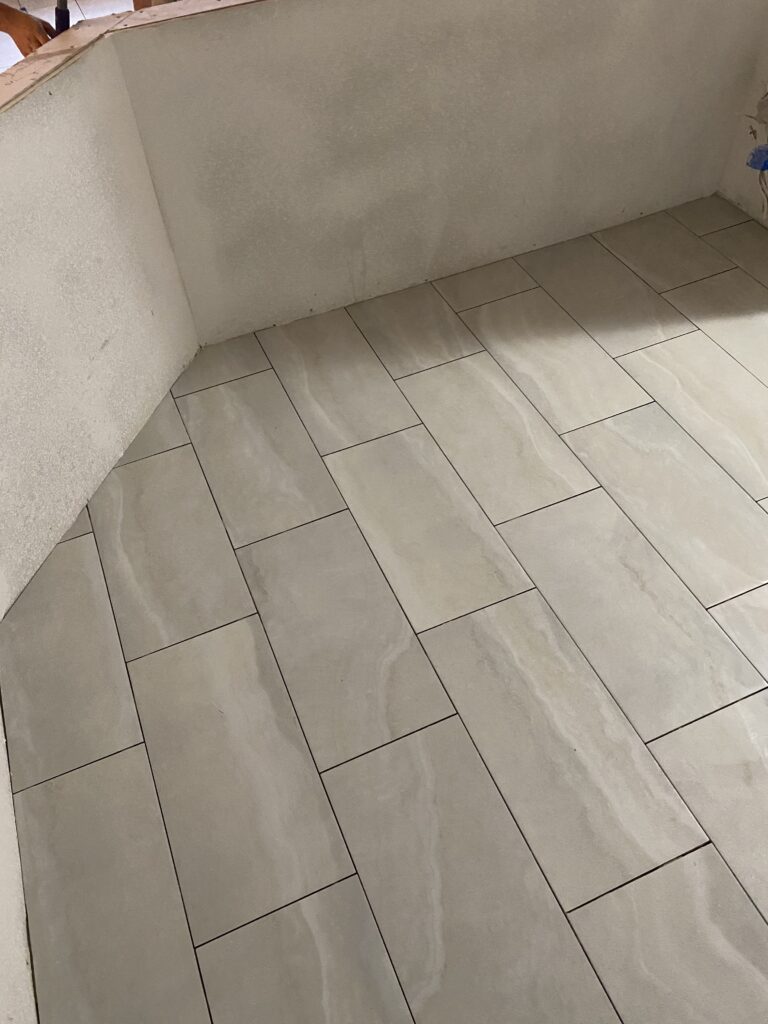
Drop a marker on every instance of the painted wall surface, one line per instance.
(307, 153)
(95, 323)
(743, 184)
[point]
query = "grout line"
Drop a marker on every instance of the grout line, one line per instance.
(637, 273)
(654, 344)
(333, 811)
(751, 590)
(304, 735)
(186, 639)
(613, 416)
(290, 529)
(368, 440)
(221, 383)
(151, 455)
(388, 743)
(446, 362)
(594, 340)
(472, 741)
(727, 227)
(275, 910)
(489, 302)
(552, 504)
(475, 611)
(154, 781)
(708, 714)
(634, 728)
(77, 767)
(644, 874)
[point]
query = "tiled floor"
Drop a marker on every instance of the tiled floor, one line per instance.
(415, 666)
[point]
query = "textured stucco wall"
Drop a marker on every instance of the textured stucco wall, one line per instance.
(740, 183)
(95, 323)
(312, 152)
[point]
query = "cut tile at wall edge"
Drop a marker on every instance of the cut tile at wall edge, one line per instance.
(16, 993)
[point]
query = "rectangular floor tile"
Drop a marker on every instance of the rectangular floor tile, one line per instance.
(586, 793)
(661, 251)
(732, 309)
(473, 929)
(217, 364)
(263, 469)
(170, 569)
(162, 431)
(80, 526)
(351, 661)
(66, 697)
(106, 923)
(320, 961)
(566, 374)
(436, 547)
(340, 389)
(681, 946)
(618, 309)
(413, 329)
(249, 823)
(501, 447)
(484, 284)
(707, 528)
(745, 620)
(709, 214)
(653, 645)
(720, 766)
(747, 246)
(715, 399)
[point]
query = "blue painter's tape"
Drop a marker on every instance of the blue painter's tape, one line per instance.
(758, 159)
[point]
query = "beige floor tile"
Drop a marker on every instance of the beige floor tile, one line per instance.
(320, 960)
(618, 309)
(568, 376)
(650, 641)
(170, 569)
(439, 552)
(503, 449)
(66, 697)
(484, 284)
(107, 928)
(162, 431)
(661, 251)
(683, 945)
(747, 246)
(586, 793)
(413, 329)
(715, 399)
(698, 519)
(217, 364)
(262, 467)
(351, 661)
(249, 823)
(474, 932)
(709, 214)
(340, 389)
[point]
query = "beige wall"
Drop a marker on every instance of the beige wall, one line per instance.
(308, 153)
(739, 182)
(95, 323)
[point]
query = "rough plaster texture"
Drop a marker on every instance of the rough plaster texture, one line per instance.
(308, 153)
(95, 324)
(739, 183)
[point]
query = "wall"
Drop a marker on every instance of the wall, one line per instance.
(740, 183)
(307, 153)
(95, 322)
